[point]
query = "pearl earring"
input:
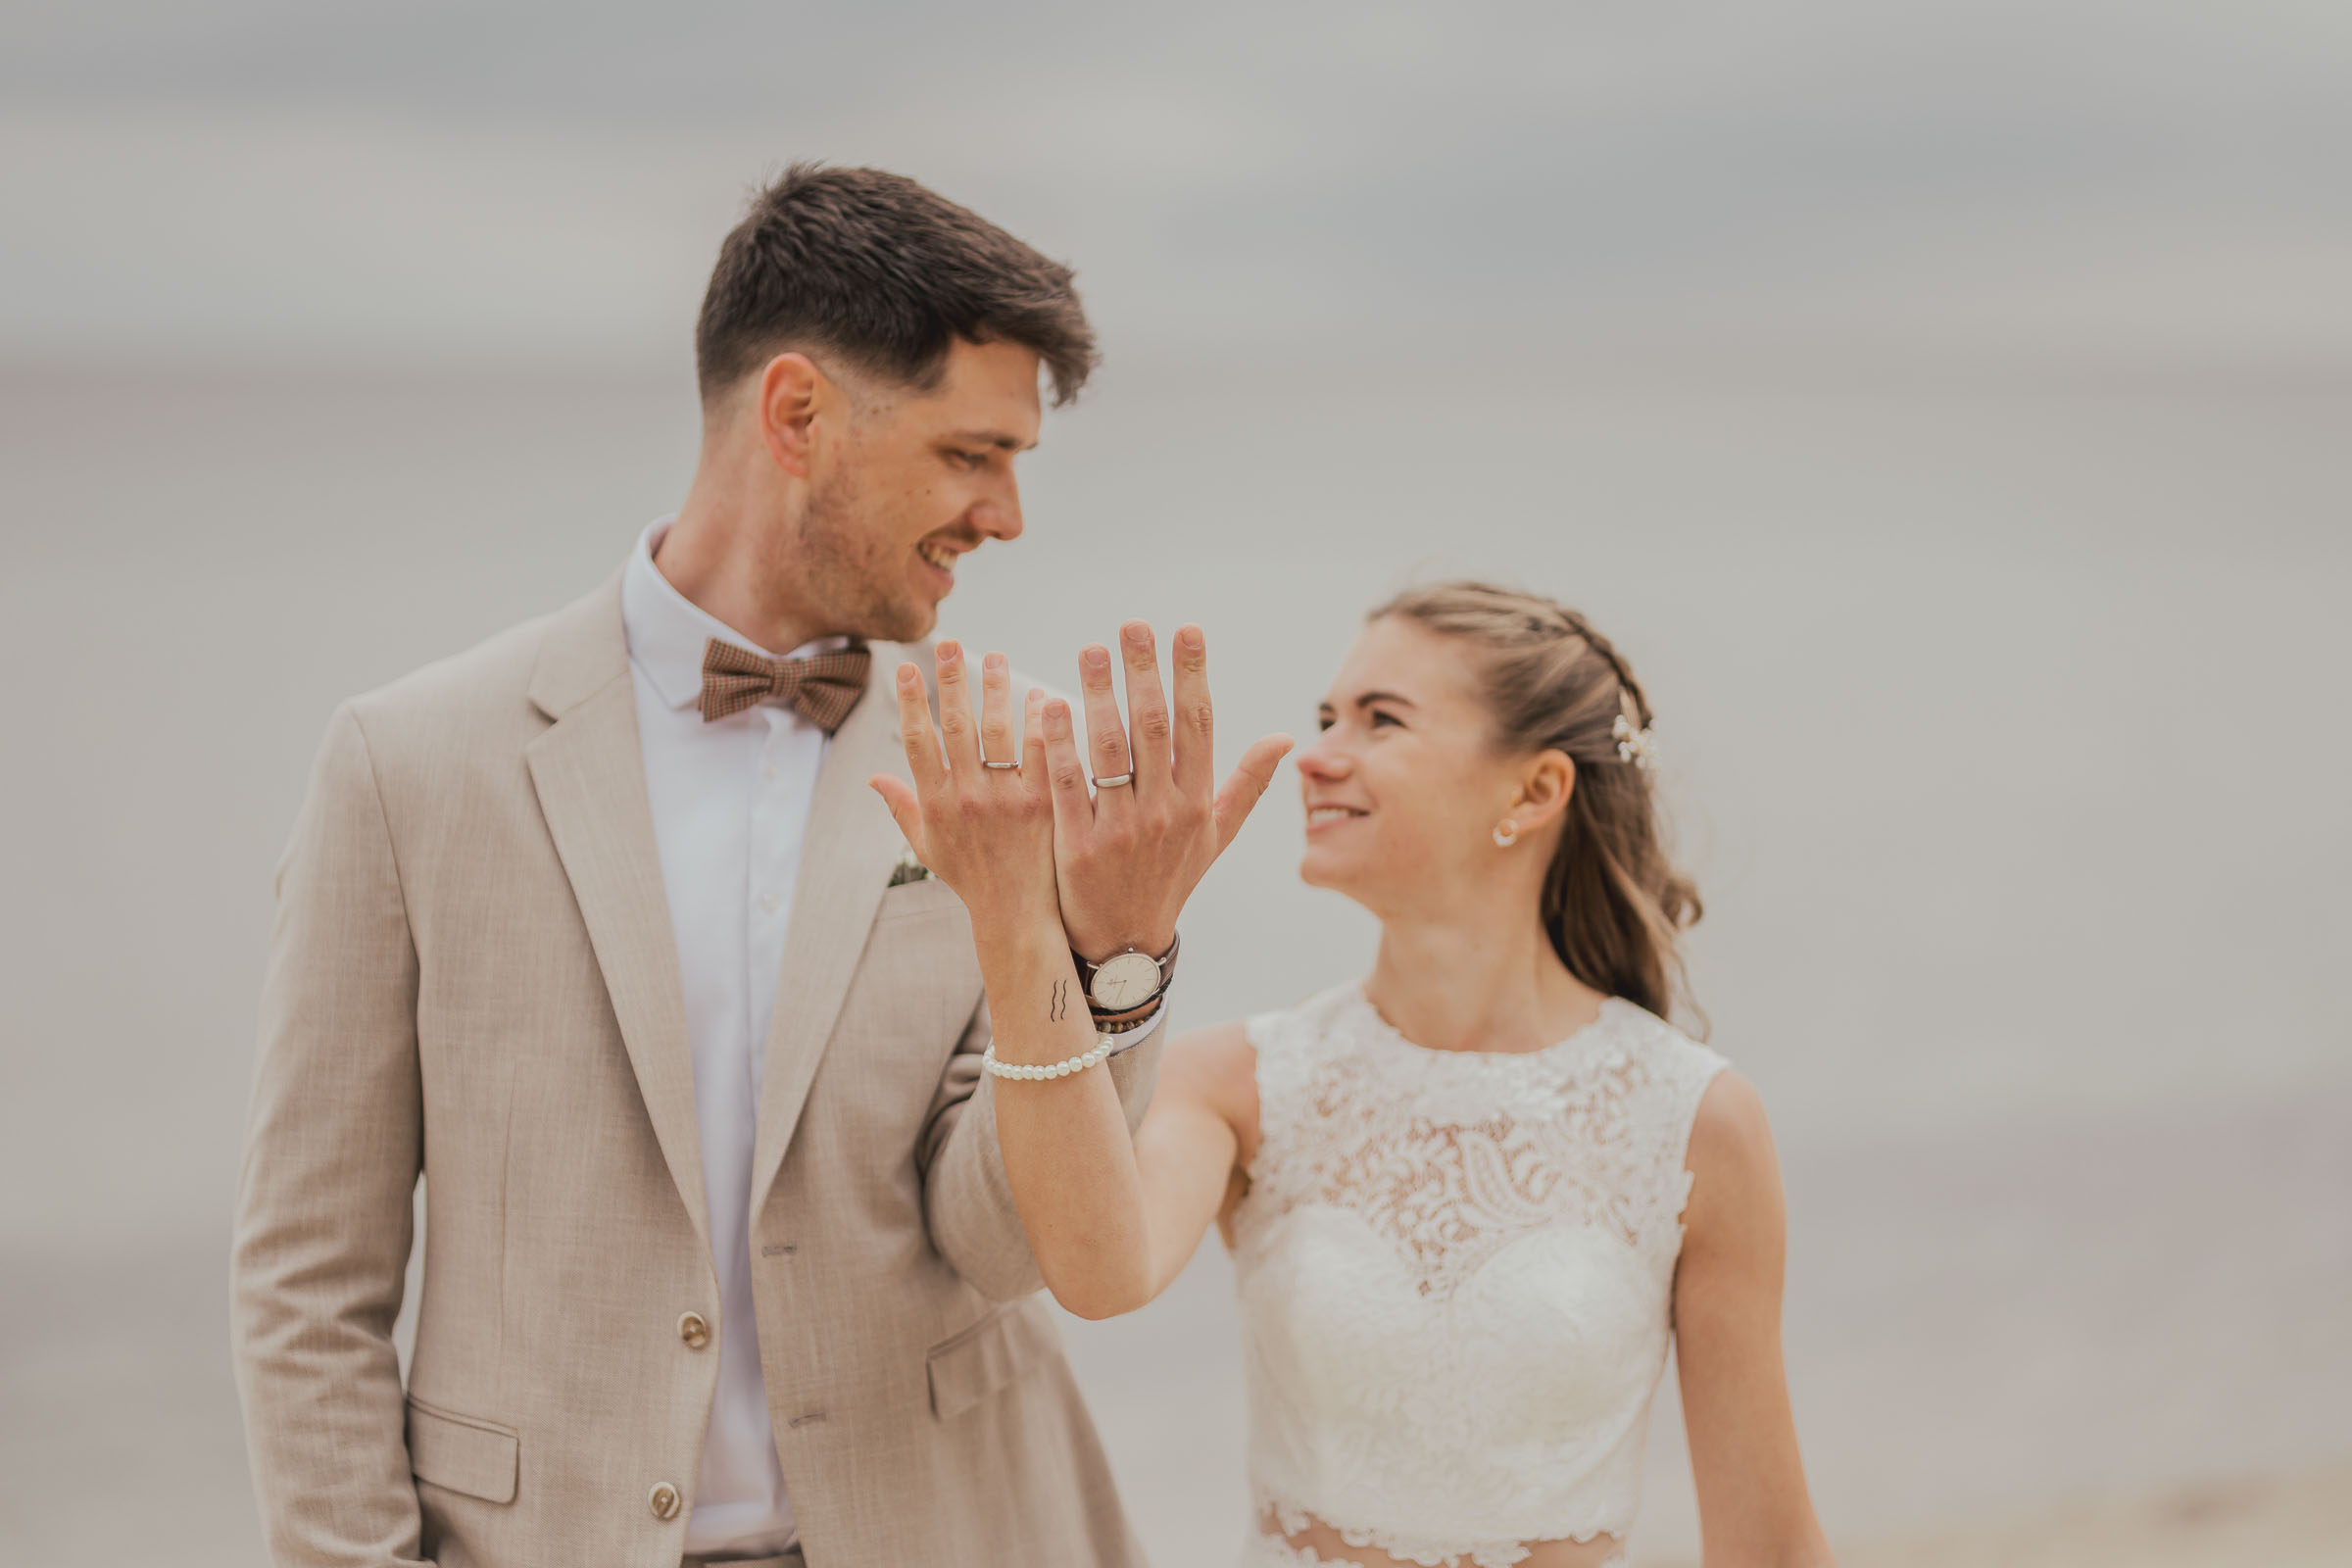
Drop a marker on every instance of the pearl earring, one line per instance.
(1507, 834)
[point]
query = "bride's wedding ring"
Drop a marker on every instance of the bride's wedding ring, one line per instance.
(1114, 781)
(985, 762)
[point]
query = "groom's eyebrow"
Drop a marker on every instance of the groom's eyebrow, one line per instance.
(992, 439)
(1369, 698)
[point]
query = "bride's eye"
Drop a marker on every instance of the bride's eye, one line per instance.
(1379, 718)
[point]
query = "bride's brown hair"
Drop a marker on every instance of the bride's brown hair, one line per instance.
(1614, 904)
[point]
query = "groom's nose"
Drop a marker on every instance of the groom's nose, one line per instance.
(998, 513)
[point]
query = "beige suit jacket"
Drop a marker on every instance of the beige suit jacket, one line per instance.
(474, 977)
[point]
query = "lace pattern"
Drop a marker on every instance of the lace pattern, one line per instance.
(1456, 1273)
(1425, 1550)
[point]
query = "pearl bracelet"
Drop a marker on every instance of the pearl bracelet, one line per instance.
(1056, 1069)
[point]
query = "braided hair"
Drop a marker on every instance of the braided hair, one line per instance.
(1613, 904)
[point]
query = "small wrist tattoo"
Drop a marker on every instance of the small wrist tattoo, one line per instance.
(1061, 1008)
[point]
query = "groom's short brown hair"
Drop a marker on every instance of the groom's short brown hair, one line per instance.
(885, 274)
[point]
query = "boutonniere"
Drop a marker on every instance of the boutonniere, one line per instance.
(909, 869)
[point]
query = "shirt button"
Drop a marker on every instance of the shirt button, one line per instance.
(663, 1500)
(693, 1331)
(767, 901)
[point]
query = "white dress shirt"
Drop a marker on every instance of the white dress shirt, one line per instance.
(730, 802)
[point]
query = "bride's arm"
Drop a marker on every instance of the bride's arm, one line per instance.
(1112, 1222)
(1197, 1143)
(1753, 1506)
(1111, 1219)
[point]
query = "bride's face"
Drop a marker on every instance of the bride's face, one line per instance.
(1404, 789)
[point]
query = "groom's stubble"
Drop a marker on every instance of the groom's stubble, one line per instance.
(891, 485)
(850, 563)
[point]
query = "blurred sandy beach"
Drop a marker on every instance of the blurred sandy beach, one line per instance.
(2005, 725)
(2302, 1522)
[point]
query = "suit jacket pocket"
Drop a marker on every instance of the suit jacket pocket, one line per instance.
(930, 896)
(992, 1353)
(460, 1454)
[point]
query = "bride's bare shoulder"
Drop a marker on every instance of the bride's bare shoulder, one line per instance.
(1217, 1068)
(1219, 1059)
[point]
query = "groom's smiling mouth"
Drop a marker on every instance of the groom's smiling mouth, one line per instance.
(940, 556)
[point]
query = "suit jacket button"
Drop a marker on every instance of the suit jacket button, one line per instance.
(693, 1331)
(663, 1502)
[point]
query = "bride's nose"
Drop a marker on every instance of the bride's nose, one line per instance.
(1320, 761)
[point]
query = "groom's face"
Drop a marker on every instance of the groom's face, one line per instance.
(919, 479)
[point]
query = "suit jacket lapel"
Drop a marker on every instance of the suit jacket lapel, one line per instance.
(846, 862)
(589, 771)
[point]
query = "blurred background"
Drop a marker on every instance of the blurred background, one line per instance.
(1946, 407)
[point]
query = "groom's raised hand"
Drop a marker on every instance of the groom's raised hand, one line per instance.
(1128, 856)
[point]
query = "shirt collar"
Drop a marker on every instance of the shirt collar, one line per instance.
(666, 631)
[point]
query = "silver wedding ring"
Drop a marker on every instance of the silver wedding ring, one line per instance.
(1114, 781)
(985, 762)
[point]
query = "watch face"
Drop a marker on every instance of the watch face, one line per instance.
(1124, 981)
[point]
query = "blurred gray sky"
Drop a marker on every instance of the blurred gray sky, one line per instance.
(2137, 184)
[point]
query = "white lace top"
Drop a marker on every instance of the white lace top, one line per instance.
(1456, 1273)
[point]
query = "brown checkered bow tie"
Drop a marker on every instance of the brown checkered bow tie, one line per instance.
(821, 687)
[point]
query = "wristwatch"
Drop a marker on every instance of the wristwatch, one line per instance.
(1124, 988)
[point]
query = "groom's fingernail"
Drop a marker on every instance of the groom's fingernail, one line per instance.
(1095, 658)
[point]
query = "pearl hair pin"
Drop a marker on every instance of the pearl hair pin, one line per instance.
(1052, 1069)
(1638, 747)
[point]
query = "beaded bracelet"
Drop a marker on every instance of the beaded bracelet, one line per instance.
(1055, 1069)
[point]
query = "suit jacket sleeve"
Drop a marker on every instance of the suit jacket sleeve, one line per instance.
(967, 1199)
(332, 1152)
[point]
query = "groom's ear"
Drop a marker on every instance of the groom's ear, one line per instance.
(791, 391)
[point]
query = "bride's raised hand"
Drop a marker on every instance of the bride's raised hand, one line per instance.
(983, 828)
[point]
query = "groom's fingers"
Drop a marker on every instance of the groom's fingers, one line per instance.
(956, 710)
(1032, 736)
(1065, 774)
(1195, 729)
(1245, 785)
(1105, 736)
(996, 741)
(1147, 710)
(916, 732)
